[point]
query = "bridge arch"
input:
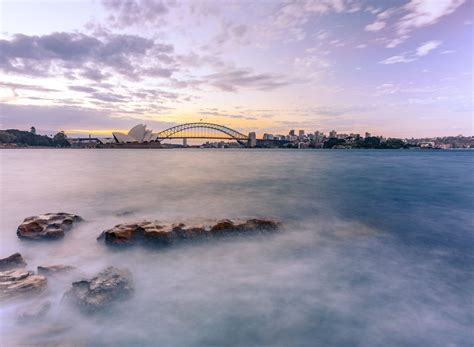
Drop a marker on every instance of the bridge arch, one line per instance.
(177, 131)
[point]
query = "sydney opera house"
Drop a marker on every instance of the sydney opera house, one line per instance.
(138, 134)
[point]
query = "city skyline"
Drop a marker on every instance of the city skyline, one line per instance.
(398, 69)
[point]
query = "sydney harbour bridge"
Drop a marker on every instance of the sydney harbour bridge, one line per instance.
(201, 131)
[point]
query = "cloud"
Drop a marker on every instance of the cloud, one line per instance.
(65, 52)
(427, 47)
(420, 13)
(386, 88)
(425, 12)
(227, 115)
(397, 59)
(295, 13)
(380, 21)
(125, 13)
(408, 57)
(15, 86)
(67, 117)
(230, 33)
(237, 79)
(82, 89)
(375, 26)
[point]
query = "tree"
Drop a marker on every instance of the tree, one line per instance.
(60, 140)
(332, 142)
(6, 137)
(29, 139)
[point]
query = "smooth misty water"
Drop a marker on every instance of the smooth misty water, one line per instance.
(376, 249)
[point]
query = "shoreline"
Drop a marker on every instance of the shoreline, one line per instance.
(251, 149)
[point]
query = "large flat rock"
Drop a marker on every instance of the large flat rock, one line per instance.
(157, 233)
(49, 226)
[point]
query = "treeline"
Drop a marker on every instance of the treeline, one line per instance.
(368, 142)
(27, 138)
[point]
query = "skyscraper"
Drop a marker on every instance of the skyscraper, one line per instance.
(300, 133)
(333, 134)
(252, 141)
(292, 132)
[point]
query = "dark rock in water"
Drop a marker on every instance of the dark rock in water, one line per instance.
(49, 226)
(34, 312)
(156, 233)
(12, 262)
(124, 213)
(19, 283)
(100, 292)
(54, 269)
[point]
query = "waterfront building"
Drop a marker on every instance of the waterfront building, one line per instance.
(252, 141)
(332, 134)
(292, 132)
(300, 133)
(138, 134)
(268, 136)
(318, 136)
(292, 138)
(367, 134)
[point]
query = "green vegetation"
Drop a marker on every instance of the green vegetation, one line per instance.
(27, 138)
(333, 142)
(375, 142)
(368, 142)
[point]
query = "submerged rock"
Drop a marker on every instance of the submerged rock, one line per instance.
(18, 283)
(12, 262)
(156, 233)
(49, 226)
(100, 292)
(34, 312)
(54, 269)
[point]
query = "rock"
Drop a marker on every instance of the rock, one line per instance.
(34, 312)
(12, 262)
(49, 226)
(156, 233)
(16, 283)
(223, 226)
(54, 269)
(259, 224)
(100, 292)
(124, 213)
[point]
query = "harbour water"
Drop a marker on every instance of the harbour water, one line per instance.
(376, 248)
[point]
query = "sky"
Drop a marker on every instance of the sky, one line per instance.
(397, 68)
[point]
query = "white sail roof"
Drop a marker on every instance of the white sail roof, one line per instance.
(138, 132)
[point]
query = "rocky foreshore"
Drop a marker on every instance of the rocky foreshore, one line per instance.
(49, 226)
(157, 233)
(12, 262)
(101, 291)
(20, 283)
(112, 285)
